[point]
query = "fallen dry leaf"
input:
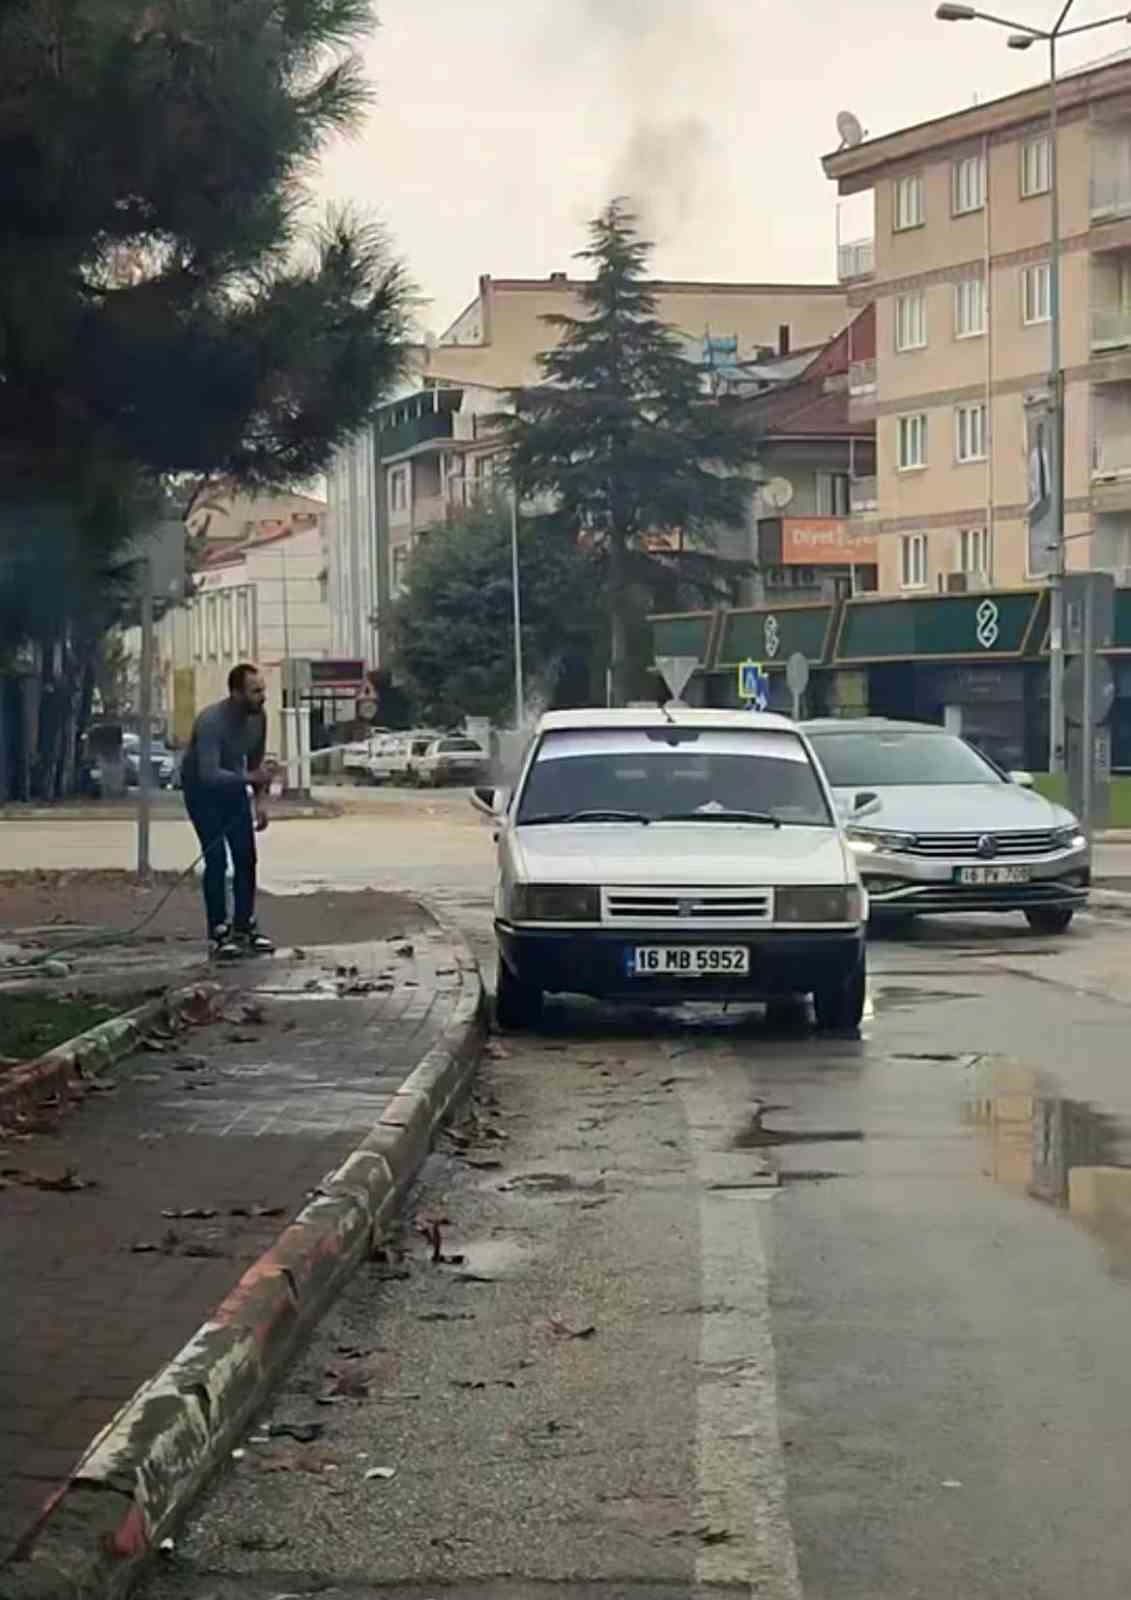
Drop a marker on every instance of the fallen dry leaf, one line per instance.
(562, 1330)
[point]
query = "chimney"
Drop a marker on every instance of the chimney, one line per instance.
(783, 338)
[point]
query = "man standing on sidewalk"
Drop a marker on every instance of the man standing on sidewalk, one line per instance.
(223, 762)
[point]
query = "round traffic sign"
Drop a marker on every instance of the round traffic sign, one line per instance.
(797, 673)
(1103, 695)
(367, 708)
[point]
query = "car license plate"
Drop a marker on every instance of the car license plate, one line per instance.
(992, 875)
(690, 961)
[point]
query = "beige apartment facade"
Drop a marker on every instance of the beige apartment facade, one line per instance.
(434, 448)
(958, 270)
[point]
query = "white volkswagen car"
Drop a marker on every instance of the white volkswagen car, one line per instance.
(659, 856)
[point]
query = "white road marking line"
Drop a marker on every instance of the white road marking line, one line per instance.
(740, 1463)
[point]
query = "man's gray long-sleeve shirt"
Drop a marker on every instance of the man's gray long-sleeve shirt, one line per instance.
(226, 743)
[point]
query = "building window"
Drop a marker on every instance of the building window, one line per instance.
(969, 308)
(1036, 166)
(212, 625)
(398, 489)
(1036, 293)
(913, 561)
(226, 638)
(968, 185)
(833, 494)
(970, 432)
(243, 624)
(909, 202)
(911, 321)
(912, 441)
(974, 553)
(400, 568)
(198, 630)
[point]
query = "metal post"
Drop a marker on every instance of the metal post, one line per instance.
(1088, 713)
(1056, 395)
(284, 730)
(145, 712)
(519, 691)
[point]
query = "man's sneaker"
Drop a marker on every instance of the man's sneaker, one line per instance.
(254, 943)
(225, 945)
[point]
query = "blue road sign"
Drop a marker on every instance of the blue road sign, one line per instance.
(753, 685)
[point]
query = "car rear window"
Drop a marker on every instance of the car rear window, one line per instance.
(450, 746)
(860, 760)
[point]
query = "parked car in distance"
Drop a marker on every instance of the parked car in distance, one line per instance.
(452, 760)
(386, 759)
(356, 756)
(164, 766)
(416, 748)
(937, 826)
(661, 856)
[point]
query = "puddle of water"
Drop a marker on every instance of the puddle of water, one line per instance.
(893, 998)
(495, 1258)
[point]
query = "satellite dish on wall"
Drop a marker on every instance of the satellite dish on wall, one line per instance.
(777, 493)
(848, 126)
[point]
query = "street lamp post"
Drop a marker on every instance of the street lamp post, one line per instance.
(1021, 36)
(519, 689)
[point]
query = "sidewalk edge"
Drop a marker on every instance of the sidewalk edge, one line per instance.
(98, 1049)
(142, 1472)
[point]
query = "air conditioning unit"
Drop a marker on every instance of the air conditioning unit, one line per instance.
(954, 582)
(1123, 577)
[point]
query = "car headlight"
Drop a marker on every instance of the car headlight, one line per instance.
(866, 839)
(1069, 838)
(555, 902)
(842, 903)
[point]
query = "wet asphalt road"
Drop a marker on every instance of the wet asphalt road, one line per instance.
(861, 1313)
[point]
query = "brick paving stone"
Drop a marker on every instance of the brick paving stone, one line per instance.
(279, 1104)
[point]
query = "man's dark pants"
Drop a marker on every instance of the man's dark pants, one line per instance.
(223, 823)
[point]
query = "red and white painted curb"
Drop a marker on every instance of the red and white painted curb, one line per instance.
(97, 1050)
(140, 1474)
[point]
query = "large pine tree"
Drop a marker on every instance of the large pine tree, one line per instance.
(622, 441)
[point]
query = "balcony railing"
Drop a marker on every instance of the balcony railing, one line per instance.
(861, 379)
(1110, 195)
(1111, 327)
(863, 496)
(856, 259)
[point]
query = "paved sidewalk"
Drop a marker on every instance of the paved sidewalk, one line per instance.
(240, 1119)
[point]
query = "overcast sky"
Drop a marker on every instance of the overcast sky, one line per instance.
(502, 125)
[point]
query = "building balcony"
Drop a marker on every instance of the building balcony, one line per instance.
(855, 260)
(401, 437)
(1111, 471)
(1111, 327)
(861, 379)
(863, 497)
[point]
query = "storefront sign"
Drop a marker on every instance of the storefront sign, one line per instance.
(950, 626)
(825, 542)
(772, 634)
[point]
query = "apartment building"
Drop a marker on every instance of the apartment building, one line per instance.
(958, 270)
(433, 447)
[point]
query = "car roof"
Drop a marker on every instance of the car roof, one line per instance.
(655, 717)
(868, 725)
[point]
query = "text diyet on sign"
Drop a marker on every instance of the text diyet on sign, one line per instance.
(825, 541)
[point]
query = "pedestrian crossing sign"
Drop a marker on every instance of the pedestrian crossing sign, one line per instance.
(753, 685)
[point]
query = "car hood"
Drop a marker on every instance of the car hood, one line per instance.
(956, 808)
(680, 852)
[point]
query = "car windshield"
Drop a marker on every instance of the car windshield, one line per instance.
(860, 760)
(653, 773)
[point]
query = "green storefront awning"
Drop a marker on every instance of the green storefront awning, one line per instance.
(940, 628)
(691, 633)
(771, 634)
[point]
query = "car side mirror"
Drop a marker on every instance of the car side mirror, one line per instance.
(865, 804)
(1023, 780)
(489, 802)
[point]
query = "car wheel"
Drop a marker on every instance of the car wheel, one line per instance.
(1050, 919)
(517, 1005)
(839, 1004)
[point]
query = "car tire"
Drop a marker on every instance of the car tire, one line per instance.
(517, 1005)
(1050, 919)
(839, 1004)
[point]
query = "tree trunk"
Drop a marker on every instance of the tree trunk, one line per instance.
(618, 621)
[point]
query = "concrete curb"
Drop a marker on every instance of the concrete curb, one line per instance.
(97, 1050)
(141, 1473)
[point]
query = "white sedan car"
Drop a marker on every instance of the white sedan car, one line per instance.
(660, 856)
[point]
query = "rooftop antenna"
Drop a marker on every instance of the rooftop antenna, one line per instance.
(850, 130)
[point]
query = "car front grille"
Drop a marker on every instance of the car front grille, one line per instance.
(967, 844)
(688, 908)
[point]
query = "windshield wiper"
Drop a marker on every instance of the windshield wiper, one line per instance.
(766, 817)
(586, 816)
